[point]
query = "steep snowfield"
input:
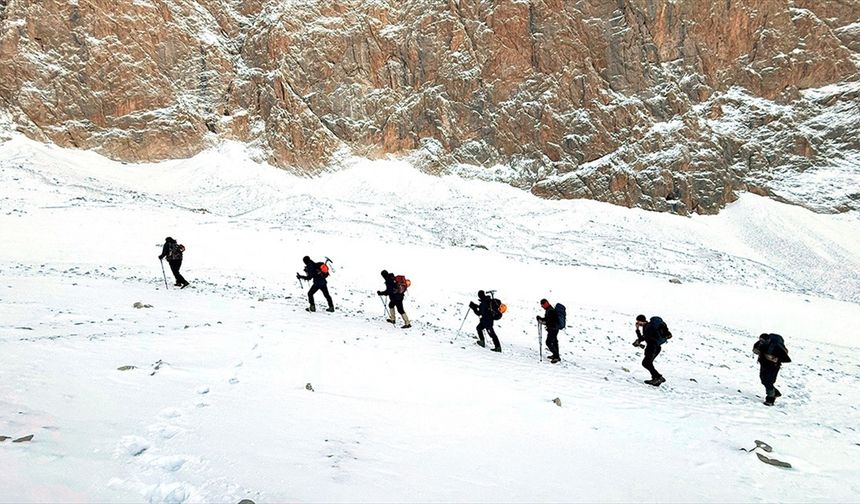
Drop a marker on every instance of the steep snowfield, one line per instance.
(420, 414)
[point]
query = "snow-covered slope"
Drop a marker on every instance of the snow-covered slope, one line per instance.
(420, 414)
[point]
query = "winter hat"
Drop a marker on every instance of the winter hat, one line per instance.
(544, 302)
(641, 318)
(306, 259)
(169, 239)
(384, 273)
(481, 294)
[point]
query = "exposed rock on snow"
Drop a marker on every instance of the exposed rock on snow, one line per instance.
(673, 105)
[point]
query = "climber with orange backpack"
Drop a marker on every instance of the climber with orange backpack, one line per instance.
(489, 310)
(317, 273)
(395, 289)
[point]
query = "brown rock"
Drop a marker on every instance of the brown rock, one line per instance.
(666, 105)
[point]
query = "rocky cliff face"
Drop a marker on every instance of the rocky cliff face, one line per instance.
(670, 105)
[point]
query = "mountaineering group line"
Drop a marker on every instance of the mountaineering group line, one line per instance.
(770, 348)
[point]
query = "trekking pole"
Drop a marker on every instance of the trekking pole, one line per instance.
(163, 273)
(540, 341)
(464, 320)
(384, 307)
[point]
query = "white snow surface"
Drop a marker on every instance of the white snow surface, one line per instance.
(216, 409)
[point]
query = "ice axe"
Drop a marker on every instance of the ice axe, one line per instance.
(330, 262)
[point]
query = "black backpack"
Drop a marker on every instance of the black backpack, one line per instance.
(662, 329)
(561, 311)
(497, 308)
(174, 251)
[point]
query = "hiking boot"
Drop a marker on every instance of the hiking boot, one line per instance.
(177, 284)
(186, 284)
(391, 321)
(481, 343)
(497, 349)
(311, 308)
(776, 393)
(659, 380)
(768, 401)
(330, 309)
(555, 360)
(406, 326)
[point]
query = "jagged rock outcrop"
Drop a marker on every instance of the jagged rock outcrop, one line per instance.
(670, 105)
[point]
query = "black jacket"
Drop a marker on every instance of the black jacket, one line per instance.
(652, 334)
(771, 350)
(550, 318)
(390, 287)
(483, 310)
(167, 248)
(313, 271)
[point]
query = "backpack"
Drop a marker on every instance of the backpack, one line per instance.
(662, 330)
(497, 308)
(174, 251)
(777, 344)
(561, 311)
(324, 270)
(401, 283)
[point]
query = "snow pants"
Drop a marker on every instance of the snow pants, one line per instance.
(174, 268)
(487, 323)
(396, 300)
(651, 353)
(320, 287)
(768, 373)
(552, 342)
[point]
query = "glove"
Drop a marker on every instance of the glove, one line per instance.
(160, 258)
(298, 276)
(380, 293)
(539, 318)
(472, 305)
(637, 343)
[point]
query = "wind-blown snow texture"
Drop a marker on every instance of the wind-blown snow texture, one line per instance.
(215, 408)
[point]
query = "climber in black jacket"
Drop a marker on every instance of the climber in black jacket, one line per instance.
(654, 333)
(317, 274)
(771, 352)
(395, 299)
(484, 311)
(550, 320)
(173, 252)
